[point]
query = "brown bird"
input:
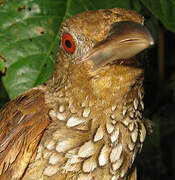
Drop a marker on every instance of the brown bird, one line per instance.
(86, 122)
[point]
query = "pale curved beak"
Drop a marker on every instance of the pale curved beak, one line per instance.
(125, 40)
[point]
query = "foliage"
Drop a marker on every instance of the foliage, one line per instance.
(28, 46)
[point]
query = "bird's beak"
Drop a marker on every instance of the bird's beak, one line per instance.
(125, 40)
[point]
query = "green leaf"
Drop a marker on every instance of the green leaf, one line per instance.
(74, 7)
(27, 37)
(164, 10)
(2, 67)
(136, 5)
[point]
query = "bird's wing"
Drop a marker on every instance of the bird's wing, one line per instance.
(22, 122)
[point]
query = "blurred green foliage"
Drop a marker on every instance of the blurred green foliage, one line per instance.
(28, 45)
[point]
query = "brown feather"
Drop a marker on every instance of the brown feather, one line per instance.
(22, 122)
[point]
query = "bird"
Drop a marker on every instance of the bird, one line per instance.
(85, 122)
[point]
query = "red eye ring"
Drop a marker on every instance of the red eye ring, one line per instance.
(68, 43)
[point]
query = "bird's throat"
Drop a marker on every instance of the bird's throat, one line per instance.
(106, 85)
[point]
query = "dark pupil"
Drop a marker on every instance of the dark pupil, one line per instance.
(68, 44)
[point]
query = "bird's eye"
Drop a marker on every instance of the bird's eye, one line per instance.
(68, 43)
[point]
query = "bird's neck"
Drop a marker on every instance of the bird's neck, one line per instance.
(83, 102)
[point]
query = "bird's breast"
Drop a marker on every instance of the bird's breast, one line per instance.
(87, 140)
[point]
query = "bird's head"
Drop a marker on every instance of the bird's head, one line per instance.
(99, 48)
